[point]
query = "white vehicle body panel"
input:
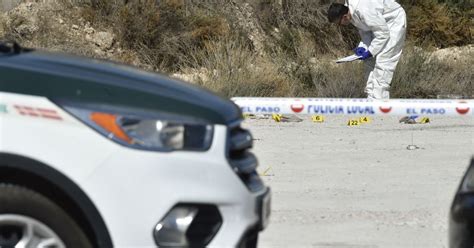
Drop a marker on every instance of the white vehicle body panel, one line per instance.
(132, 189)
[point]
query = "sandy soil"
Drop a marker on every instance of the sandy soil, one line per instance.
(339, 186)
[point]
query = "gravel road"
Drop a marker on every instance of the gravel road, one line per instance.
(337, 186)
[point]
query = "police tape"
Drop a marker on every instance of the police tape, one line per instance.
(353, 106)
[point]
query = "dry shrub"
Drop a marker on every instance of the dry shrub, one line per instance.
(343, 80)
(97, 12)
(173, 35)
(209, 27)
(160, 32)
(434, 24)
(420, 75)
(307, 16)
(49, 35)
(233, 69)
(174, 4)
(11, 30)
(143, 30)
(316, 75)
(24, 26)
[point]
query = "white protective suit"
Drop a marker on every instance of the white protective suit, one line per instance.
(382, 27)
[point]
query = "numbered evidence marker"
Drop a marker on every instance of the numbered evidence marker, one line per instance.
(353, 123)
(277, 117)
(365, 120)
(317, 118)
(425, 120)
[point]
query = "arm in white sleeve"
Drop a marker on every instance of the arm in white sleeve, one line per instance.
(381, 34)
(366, 38)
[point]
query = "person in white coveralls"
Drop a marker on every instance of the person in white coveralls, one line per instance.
(382, 27)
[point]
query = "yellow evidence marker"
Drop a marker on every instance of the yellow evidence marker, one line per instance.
(425, 120)
(365, 120)
(317, 118)
(250, 116)
(264, 173)
(353, 123)
(276, 117)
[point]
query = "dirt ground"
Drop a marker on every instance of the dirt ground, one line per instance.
(340, 186)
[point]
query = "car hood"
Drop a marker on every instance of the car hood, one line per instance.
(63, 77)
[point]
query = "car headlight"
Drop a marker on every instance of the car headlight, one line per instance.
(146, 130)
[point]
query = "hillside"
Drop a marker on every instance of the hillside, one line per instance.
(250, 47)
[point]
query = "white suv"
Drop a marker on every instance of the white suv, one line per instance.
(94, 154)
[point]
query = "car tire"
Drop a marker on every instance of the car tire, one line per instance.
(21, 207)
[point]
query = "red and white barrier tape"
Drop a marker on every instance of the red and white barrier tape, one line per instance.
(348, 106)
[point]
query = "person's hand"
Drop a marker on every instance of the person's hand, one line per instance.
(365, 55)
(359, 51)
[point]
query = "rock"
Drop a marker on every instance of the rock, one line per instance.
(412, 147)
(104, 40)
(290, 67)
(186, 77)
(75, 27)
(89, 30)
(25, 29)
(61, 21)
(23, 20)
(194, 75)
(99, 52)
(246, 19)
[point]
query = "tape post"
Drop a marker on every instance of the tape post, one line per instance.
(355, 106)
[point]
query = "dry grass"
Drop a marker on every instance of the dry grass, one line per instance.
(420, 75)
(159, 32)
(440, 25)
(307, 16)
(316, 75)
(204, 37)
(233, 69)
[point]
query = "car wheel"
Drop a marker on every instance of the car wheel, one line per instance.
(28, 219)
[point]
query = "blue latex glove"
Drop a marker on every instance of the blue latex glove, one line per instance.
(359, 51)
(365, 55)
